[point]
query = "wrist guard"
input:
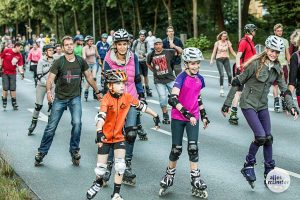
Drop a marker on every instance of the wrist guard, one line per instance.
(156, 120)
(186, 113)
(100, 136)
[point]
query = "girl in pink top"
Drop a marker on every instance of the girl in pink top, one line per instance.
(221, 54)
(35, 54)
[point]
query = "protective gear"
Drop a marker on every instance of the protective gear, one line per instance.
(142, 106)
(104, 35)
(275, 43)
(100, 137)
(88, 37)
(173, 100)
(156, 120)
(295, 111)
(100, 169)
(130, 134)
(48, 46)
(38, 107)
(121, 35)
(203, 115)
(200, 103)
(115, 75)
(260, 140)
(100, 116)
(192, 54)
(186, 113)
(235, 82)
(175, 152)
(249, 28)
(269, 140)
(120, 165)
(142, 32)
(193, 151)
(142, 98)
(287, 92)
(78, 38)
(225, 108)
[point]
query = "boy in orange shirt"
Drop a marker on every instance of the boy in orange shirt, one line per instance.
(110, 122)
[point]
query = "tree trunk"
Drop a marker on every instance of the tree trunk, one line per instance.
(75, 20)
(17, 28)
(169, 11)
(93, 15)
(245, 11)
(133, 18)
(195, 21)
(63, 25)
(136, 3)
(99, 19)
(219, 16)
(106, 20)
(155, 17)
(57, 26)
(119, 4)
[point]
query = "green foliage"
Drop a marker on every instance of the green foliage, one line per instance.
(200, 42)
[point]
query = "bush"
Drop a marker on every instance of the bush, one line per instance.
(201, 42)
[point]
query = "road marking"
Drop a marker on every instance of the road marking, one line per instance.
(28, 80)
(42, 116)
(167, 133)
(289, 172)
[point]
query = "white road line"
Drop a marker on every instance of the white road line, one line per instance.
(167, 133)
(42, 116)
(290, 173)
(28, 80)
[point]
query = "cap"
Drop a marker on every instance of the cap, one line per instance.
(157, 40)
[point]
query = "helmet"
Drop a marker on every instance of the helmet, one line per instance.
(48, 46)
(78, 38)
(192, 54)
(130, 36)
(121, 35)
(115, 75)
(88, 37)
(104, 35)
(249, 28)
(275, 43)
(142, 32)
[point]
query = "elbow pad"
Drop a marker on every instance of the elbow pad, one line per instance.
(173, 100)
(99, 116)
(235, 82)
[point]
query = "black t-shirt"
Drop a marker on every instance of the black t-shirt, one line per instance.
(294, 75)
(68, 77)
(161, 63)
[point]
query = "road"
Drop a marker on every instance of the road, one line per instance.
(222, 152)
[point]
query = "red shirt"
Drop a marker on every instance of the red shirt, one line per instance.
(10, 61)
(246, 46)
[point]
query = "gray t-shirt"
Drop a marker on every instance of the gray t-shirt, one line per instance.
(161, 64)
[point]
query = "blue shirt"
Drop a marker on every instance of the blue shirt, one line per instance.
(166, 45)
(102, 49)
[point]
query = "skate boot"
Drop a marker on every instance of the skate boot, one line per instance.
(276, 104)
(32, 126)
(148, 91)
(129, 176)
(14, 103)
(198, 185)
(283, 102)
(94, 189)
(166, 118)
(249, 173)
(141, 133)
(107, 174)
(4, 101)
(268, 167)
(75, 157)
(39, 159)
(233, 119)
(86, 94)
(167, 181)
(222, 91)
(116, 196)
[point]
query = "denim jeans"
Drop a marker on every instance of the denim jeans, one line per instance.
(130, 121)
(57, 110)
(163, 93)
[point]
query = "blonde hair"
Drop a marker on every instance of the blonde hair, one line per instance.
(294, 39)
(277, 26)
(220, 35)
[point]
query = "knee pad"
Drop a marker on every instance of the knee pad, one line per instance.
(193, 151)
(175, 152)
(260, 140)
(100, 169)
(130, 134)
(38, 107)
(269, 140)
(120, 165)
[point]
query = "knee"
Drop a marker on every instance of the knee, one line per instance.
(269, 140)
(130, 134)
(76, 123)
(38, 107)
(260, 140)
(193, 151)
(100, 169)
(175, 152)
(120, 165)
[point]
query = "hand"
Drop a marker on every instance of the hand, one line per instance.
(100, 138)
(22, 76)
(205, 123)
(295, 112)
(49, 97)
(225, 110)
(99, 96)
(99, 144)
(156, 122)
(193, 121)
(211, 62)
(172, 45)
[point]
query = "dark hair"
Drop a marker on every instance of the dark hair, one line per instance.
(58, 45)
(67, 37)
(17, 44)
(170, 27)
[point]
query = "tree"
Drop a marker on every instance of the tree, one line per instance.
(195, 21)
(169, 10)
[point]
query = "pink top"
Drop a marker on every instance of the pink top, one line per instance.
(90, 54)
(222, 49)
(35, 55)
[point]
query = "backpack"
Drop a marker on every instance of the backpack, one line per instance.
(135, 45)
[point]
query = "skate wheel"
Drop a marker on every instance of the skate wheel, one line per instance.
(38, 164)
(162, 192)
(105, 184)
(76, 162)
(252, 185)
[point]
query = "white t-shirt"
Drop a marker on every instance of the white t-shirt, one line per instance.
(109, 40)
(150, 40)
(41, 42)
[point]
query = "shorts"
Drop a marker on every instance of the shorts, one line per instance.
(94, 67)
(107, 146)
(9, 82)
(143, 68)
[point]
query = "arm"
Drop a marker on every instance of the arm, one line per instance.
(238, 58)
(49, 84)
(287, 55)
(83, 53)
(232, 51)
(213, 55)
(89, 77)
(203, 113)
(137, 79)
(148, 62)
(29, 56)
(293, 73)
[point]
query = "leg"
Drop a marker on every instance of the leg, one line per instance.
(5, 87)
(12, 88)
(221, 71)
(163, 101)
(144, 72)
(228, 70)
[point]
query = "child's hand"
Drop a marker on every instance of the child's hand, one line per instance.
(100, 138)
(193, 121)
(156, 121)
(205, 123)
(100, 144)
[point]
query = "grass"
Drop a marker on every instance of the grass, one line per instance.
(10, 185)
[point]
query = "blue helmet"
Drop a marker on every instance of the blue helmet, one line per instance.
(104, 35)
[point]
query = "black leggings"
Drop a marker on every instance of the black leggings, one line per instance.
(178, 126)
(220, 63)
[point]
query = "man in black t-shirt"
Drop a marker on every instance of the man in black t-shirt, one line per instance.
(67, 73)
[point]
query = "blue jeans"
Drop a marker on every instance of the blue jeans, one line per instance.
(163, 93)
(130, 121)
(57, 110)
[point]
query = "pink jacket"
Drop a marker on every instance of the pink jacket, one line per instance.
(35, 55)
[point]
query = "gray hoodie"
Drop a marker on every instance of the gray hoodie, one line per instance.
(43, 68)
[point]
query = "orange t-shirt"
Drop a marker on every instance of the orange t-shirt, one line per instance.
(116, 111)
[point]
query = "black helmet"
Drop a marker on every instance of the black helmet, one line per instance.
(249, 28)
(48, 46)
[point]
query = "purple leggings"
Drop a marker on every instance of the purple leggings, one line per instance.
(260, 124)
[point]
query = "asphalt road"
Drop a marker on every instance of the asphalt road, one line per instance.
(222, 152)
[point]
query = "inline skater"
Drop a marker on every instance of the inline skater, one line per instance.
(259, 74)
(186, 103)
(35, 54)
(78, 45)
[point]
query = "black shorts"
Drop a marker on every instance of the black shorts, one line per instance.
(143, 68)
(9, 82)
(106, 147)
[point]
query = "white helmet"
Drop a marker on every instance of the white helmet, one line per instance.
(275, 43)
(192, 54)
(121, 35)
